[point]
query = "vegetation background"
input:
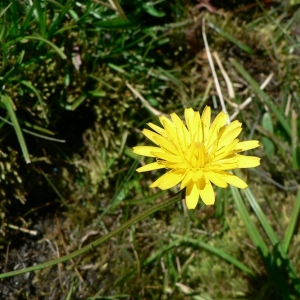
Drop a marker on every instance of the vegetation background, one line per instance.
(79, 81)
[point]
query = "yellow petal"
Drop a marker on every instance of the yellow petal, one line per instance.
(233, 180)
(205, 117)
(146, 150)
(247, 161)
(156, 128)
(230, 136)
(186, 179)
(150, 167)
(150, 135)
(164, 143)
(218, 122)
(169, 128)
(200, 152)
(168, 157)
(188, 113)
(173, 165)
(176, 120)
(225, 164)
(233, 125)
(189, 118)
(247, 145)
(216, 179)
(197, 129)
(226, 150)
(182, 134)
(167, 181)
(207, 194)
(191, 195)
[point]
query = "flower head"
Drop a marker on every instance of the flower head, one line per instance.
(197, 154)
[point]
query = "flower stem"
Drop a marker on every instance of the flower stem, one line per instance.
(99, 241)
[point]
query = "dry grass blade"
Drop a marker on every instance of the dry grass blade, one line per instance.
(217, 84)
(153, 110)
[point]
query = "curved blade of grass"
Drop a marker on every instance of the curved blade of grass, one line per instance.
(99, 241)
(222, 254)
(292, 225)
(263, 95)
(35, 91)
(38, 38)
(9, 106)
(230, 38)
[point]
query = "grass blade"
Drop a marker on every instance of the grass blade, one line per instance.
(59, 52)
(41, 18)
(271, 235)
(252, 230)
(230, 38)
(4, 10)
(55, 24)
(35, 91)
(9, 106)
(261, 216)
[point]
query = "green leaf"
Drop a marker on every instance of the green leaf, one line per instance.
(269, 147)
(116, 23)
(268, 144)
(267, 122)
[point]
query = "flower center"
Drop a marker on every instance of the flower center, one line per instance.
(197, 157)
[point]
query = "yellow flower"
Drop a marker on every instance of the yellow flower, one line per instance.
(197, 154)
